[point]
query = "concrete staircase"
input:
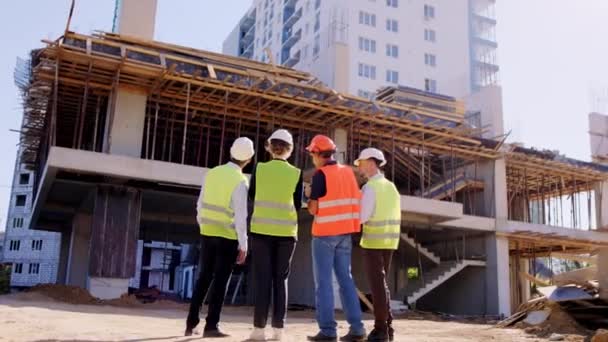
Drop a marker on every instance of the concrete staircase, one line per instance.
(445, 270)
(423, 250)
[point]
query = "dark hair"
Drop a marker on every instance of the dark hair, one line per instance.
(279, 147)
(240, 163)
(326, 154)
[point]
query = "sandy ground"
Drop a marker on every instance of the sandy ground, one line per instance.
(37, 318)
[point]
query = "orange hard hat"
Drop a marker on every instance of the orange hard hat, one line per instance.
(321, 143)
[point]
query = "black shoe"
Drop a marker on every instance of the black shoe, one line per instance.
(378, 336)
(321, 337)
(214, 333)
(188, 332)
(352, 338)
(391, 334)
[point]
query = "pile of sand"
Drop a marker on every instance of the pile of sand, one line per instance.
(559, 322)
(65, 293)
(79, 296)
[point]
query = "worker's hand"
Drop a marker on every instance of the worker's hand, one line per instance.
(307, 190)
(241, 257)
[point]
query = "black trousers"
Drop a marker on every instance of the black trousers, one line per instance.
(271, 258)
(377, 265)
(218, 256)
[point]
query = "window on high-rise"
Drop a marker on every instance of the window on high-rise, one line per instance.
(392, 50)
(18, 222)
(317, 21)
(34, 268)
(367, 19)
(17, 268)
(367, 71)
(367, 45)
(430, 85)
(392, 3)
(20, 200)
(430, 59)
(392, 76)
(14, 245)
(36, 245)
(429, 11)
(392, 25)
(317, 4)
(24, 179)
(317, 46)
(429, 35)
(364, 94)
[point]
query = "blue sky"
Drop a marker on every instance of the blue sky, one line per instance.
(552, 54)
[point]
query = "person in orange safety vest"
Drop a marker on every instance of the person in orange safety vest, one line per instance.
(334, 201)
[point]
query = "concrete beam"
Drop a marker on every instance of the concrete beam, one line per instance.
(590, 236)
(472, 222)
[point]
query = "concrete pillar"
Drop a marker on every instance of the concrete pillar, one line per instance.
(64, 253)
(136, 18)
(498, 290)
(488, 101)
(126, 115)
(341, 140)
(126, 121)
(493, 201)
(114, 235)
(78, 260)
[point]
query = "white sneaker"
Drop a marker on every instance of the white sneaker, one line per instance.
(258, 334)
(277, 334)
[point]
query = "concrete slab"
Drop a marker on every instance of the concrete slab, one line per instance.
(115, 166)
(548, 233)
(423, 210)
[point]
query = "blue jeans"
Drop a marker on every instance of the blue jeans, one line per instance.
(333, 253)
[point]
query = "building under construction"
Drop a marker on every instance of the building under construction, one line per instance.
(119, 130)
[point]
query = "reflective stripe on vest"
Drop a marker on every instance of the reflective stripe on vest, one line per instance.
(337, 203)
(339, 209)
(274, 212)
(383, 230)
(215, 215)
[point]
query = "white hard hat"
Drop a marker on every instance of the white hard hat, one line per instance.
(282, 134)
(371, 153)
(242, 149)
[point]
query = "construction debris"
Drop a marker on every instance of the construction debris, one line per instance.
(565, 293)
(565, 310)
(537, 317)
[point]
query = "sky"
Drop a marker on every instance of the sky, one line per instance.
(552, 53)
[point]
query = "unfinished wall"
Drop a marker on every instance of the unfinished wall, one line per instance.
(463, 294)
(64, 253)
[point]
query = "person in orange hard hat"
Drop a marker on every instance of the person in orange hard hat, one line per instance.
(334, 201)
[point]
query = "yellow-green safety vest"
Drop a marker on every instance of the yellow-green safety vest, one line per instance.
(274, 212)
(383, 229)
(215, 215)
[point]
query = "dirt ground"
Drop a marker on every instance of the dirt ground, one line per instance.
(36, 317)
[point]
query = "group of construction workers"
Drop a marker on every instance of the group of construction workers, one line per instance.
(339, 208)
